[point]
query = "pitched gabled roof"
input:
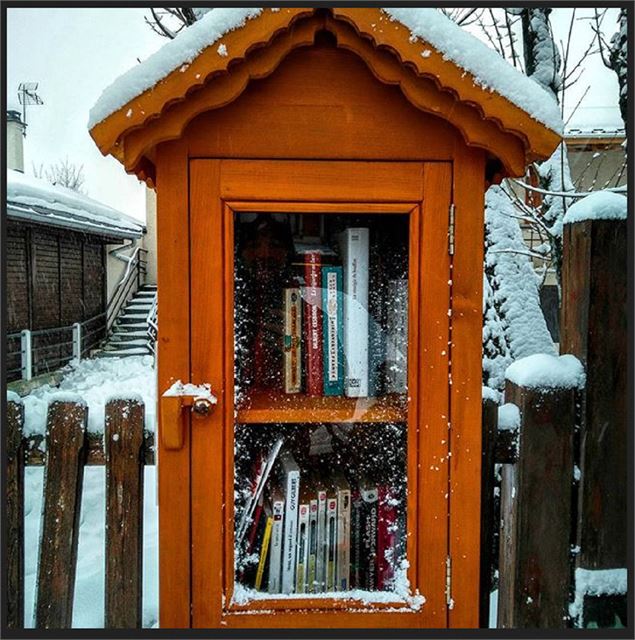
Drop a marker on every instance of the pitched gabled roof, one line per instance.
(423, 39)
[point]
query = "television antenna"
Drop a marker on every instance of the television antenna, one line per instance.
(27, 95)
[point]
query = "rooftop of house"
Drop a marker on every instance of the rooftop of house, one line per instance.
(36, 201)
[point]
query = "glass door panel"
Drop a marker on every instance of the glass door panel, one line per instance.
(321, 405)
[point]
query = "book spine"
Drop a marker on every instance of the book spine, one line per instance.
(397, 337)
(302, 549)
(313, 324)
(356, 540)
(355, 259)
(369, 541)
(290, 530)
(263, 553)
(330, 551)
(386, 537)
(343, 539)
(333, 315)
(320, 572)
(277, 534)
(311, 576)
(292, 340)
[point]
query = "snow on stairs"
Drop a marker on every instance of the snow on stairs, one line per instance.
(129, 333)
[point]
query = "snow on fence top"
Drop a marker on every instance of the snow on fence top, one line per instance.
(489, 69)
(601, 205)
(542, 371)
(508, 417)
(37, 200)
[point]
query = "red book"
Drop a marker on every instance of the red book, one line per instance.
(386, 537)
(313, 354)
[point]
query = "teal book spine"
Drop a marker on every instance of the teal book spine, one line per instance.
(333, 315)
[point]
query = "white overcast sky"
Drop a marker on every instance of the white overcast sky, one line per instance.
(75, 53)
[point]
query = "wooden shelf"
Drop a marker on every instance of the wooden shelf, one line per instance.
(274, 406)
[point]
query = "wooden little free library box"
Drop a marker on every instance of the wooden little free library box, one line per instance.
(320, 176)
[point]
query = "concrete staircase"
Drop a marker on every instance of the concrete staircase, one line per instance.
(129, 333)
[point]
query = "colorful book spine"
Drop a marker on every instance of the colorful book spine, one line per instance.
(291, 484)
(330, 550)
(333, 320)
(355, 259)
(357, 558)
(397, 337)
(369, 518)
(277, 536)
(264, 553)
(292, 340)
(387, 526)
(313, 353)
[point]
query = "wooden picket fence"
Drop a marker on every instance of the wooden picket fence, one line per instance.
(69, 448)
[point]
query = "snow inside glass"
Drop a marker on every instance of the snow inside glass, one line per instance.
(321, 398)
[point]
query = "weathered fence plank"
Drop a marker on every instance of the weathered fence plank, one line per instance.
(15, 515)
(124, 436)
(489, 429)
(536, 506)
(594, 329)
(66, 450)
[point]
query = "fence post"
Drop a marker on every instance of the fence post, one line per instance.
(15, 515)
(27, 354)
(77, 341)
(124, 440)
(66, 452)
(594, 328)
(536, 511)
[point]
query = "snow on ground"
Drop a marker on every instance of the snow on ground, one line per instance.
(489, 70)
(96, 381)
(88, 609)
(601, 205)
(547, 372)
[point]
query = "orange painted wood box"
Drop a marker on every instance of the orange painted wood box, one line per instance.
(306, 144)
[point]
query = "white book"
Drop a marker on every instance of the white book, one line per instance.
(302, 548)
(397, 337)
(275, 544)
(320, 564)
(290, 480)
(355, 260)
(330, 547)
(343, 571)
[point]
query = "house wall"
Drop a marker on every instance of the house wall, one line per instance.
(55, 277)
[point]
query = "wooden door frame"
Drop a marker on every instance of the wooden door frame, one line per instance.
(244, 180)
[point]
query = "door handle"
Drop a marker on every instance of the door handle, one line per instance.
(175, 403)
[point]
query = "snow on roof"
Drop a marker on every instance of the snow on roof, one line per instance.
(36, 200)
(601, 205)
(596, 131)
(547, 372)
(489, 69)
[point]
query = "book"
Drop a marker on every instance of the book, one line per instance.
(377, 317)
(333, 313)
(397, 337)
(275, 556)
(264, 550)
(387, 526)
(311, 574)
(302, 559)
(262, 472)
(290, 481)
(330, 547)
(343, 570)
(320, 564)
(292, 340)
(249, 566)
(313, 355)
(364, 537)
(354, 251)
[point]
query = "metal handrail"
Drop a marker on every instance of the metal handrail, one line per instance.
(135, 268)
